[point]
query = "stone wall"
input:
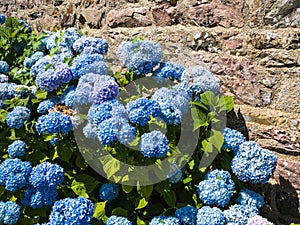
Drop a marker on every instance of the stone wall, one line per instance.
(253, 46)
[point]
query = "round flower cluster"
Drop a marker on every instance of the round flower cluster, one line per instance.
(40, 65)
(17, 149)
(154, 144)
(14, 174)
(47, 104)
(3, 78)
(68, 97)
(109, 192)
(168, 70)
(253, 164)
(29, 61)
(239, 214)
(175, 173)
(187, 215)
(2, 19)
(4, 67)
(117, 220)
(141, 56)
(7, 90)
(91, 45)
(250, 198)
(258, 220)
(232, 139)
(217, 188)
(105, 90)
(9, 212)
(17, 117)
(210, 216)
(164, 220)
(77, 211)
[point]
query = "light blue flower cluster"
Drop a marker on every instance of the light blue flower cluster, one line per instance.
(168, 70)
(250, 198)
(217, 188)
(258, 220)
(47, 104)
(40, 65)
(154, 144)
(91, 45)
(141, 56)
(239, 214)
(187, 215)
(109, 192)
(7, 91)
(4, 67)
(17, 149)
(2, 19)
(210, 216)
(175, 173)
(14, 174)
(53, 122)
(117, 220)
(253, 164)
(30, 61)
(90, 131)
(126, 134)
(17, 117)
(68, 97)
(76, 211)
(164, 220)
(232, 139)
(3, 78)
(9, 212)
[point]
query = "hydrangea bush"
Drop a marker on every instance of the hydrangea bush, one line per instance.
(54, 86)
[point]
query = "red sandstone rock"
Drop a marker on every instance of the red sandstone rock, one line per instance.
(233, 44)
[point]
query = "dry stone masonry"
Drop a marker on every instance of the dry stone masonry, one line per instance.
(253, 46)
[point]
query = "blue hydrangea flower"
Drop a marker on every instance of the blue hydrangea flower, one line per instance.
(17, 149)
(37, 198)
(4, 67)
(22, 91)
(175, 173)
(3, 78)
(258, 220)
(187, 215)
(17, 117)
(54, 141)
(2, 19)
(29, 61)
(40, 65)
(253, 164)
(108, 130)
(9, 212)
(169, 70)
(210, 216)
(141, 56)
(232, 139)
(94, 45)
(154, 144)
(164, 220)
(251, 198)
(52, 40)
(217, 188)
(69, 37)
(98, 67)
(53, 123)
(108, 192)
(117, 220)
(46, 175)
(68, 96)
(14, 174)
(104, 91)
(239, 214)
(126, 134)
(77, 211)
(90, 131)
(47, 104)
(7, 90)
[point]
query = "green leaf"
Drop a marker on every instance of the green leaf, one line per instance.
(217, 139)
(112, 167)
(89, 182)
(99, 210)
(207, 146)
(127, 189)
(170, 198)
(229, 101)
(140, 221)
(146, 191)
(120, 212)
(79, 188)
(142, 203)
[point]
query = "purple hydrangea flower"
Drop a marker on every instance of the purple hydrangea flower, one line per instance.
(258, 220)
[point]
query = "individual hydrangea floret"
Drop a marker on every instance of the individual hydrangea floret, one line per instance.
(93, 45)
(109, 192)
(217, 188)
(46, 105)
(258, 220)
(164, 220)
(37, 198)
(2, 19)
(250, 198)
(253, 164)
(17, 117)
(154, 144)
(4, 67)
(239, 214)
(141, 56)
(77, 211)
(9, 212)
(17, 149)
(210, 216)
(169, 70)
(117, 220)
(187, 215)
(175, 173)
(232, 139)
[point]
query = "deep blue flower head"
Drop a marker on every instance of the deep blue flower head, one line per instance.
(37, 198)
(117, 220)
(126, 134)
(2, 19)
(169, 70)
(17, 117)
(187, 215)
(98, 113)
(164, 220)
(94, 45)
(232, 139)
(77, 211)
(198, 80)
(258, 220)
(175, 173)
(108, 192)
(9, 212)
(40, 65)
(217, 188)
(210, 216)
(140, 56)
(54, 122)
(4, 67)
(14, 174)
(108, 130)
(68, 96)
(90, 131)
(253, 164)
(239, 214)
(154, 144)
(48, 104)
(17, 149)
(104, 91)
(46, 175)
(3, 78)
(251, 198)
(7, 90)
(29, 61)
